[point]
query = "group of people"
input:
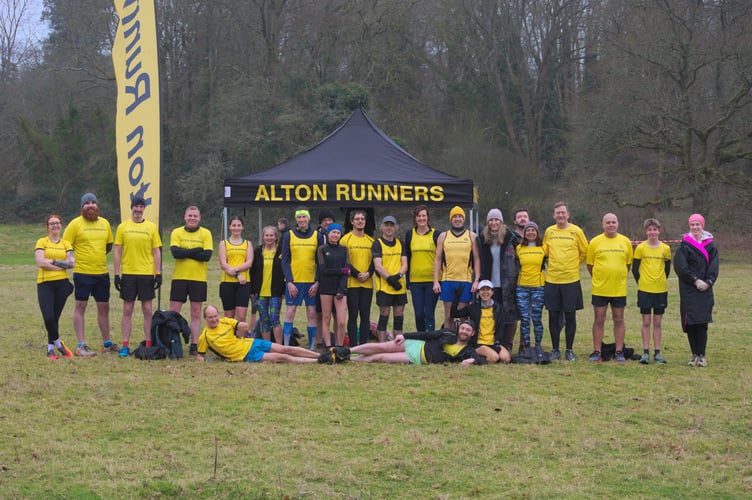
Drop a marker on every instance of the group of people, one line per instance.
(488, 282)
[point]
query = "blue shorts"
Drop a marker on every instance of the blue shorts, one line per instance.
(448, 288)
(302, 295)
(414, 351)
(259, 347)
(92, 285)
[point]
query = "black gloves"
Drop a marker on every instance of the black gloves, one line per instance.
(118, 283)
(394, 281)
(157, 281)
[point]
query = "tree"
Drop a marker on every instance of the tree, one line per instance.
(670, 117)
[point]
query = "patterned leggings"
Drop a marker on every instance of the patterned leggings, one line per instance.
(268, 309)
(530, 306)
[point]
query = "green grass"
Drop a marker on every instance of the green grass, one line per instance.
(106, 427)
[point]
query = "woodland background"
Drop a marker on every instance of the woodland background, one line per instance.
(642, 107)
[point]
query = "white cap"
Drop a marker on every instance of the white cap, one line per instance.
(485, 283)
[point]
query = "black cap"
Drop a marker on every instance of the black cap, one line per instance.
(326, 214)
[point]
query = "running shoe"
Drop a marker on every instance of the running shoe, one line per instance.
(555, 354)
(693, 361)
(64, 350)
(595, 357)
(125, 351)
(325, 358)
(340, 354)
(193, 350)
(619, 358)
(645, 359)
(113, 348)
(569, 355)
(539, 352)
(51, 354)
(659, 359)
(84, 351)
(701, 361)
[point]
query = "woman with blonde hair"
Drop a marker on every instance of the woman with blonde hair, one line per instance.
(268, 284)
(498, 265)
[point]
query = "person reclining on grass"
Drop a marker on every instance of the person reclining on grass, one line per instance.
(221, 336)
(422, 348)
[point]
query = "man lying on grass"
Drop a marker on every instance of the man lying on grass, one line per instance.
(422, 348)
(226, 338)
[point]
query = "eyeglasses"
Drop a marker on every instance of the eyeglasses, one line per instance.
(54, 223)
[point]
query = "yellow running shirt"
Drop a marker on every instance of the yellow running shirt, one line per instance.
(610, 258)
(652, 267)
(457, 257)
(567, 249)
(138, 239)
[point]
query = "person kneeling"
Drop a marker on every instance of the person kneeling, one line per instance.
(422, 348)
(220, 335)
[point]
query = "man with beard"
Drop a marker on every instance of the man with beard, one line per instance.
(138, 256)
(521, 218)
(192, 247)
(91, 237)
(457, 262)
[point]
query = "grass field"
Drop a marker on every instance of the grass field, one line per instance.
(109, 427)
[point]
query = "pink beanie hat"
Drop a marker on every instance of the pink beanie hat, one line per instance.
(697, 218)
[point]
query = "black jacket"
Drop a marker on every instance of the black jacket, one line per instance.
(434, 347)
(690, 264)
(509, 271)
(473, 310)
(257, 272)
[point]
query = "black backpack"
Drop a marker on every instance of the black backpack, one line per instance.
(166, 330)
(529, 356)
(150, 352)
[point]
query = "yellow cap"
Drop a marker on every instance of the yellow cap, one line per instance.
(456, 211)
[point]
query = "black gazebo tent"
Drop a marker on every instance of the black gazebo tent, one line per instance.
(357, 165)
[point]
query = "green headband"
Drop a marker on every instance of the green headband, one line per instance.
(303, 212)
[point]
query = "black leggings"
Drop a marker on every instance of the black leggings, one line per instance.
(359, 304)
(555, 324)
(698, 338)
(52, 296)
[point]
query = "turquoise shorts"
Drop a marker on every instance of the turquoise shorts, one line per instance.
(414, 351)
(259, 347)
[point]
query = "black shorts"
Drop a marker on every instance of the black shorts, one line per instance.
(652, 302)
(180, 290)
(601, 301)
(234, 295)
(389, 300)
(137, 286)
(566, 298)
(92, 285)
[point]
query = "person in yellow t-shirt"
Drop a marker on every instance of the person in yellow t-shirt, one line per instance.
(236, 259)
(651, 266)
(420, 243)
(53, 256)
(91, 237)
(456, 268)
(138, 255)
(531, 256)
(390, 266)
(609, 258)
(192, 247)
(567, 248)
(359, 246)
(226, 337)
